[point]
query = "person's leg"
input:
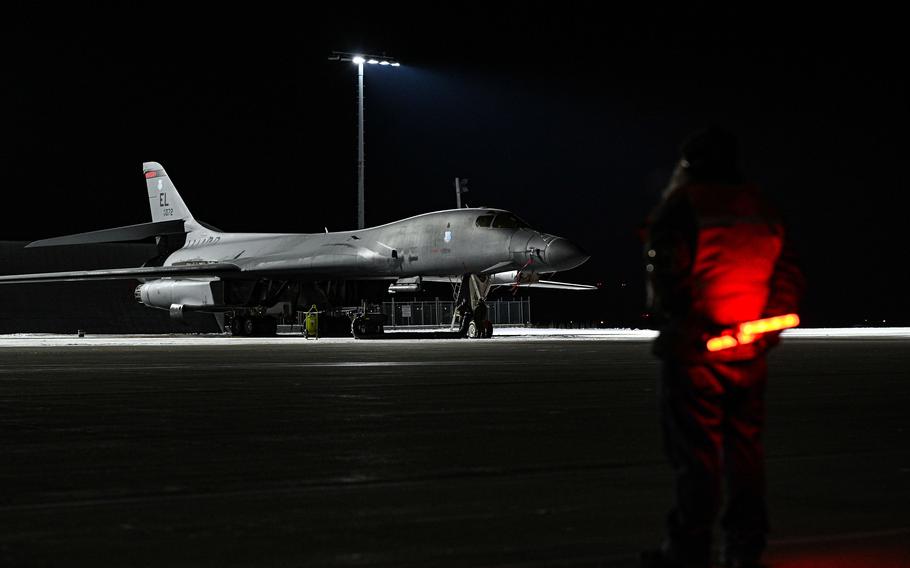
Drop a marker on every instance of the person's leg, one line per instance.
(745, 521)
(691, 416)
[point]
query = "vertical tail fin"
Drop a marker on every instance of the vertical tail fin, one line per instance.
(164, 201)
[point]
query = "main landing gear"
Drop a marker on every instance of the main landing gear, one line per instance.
(253, 326)
(367, 324)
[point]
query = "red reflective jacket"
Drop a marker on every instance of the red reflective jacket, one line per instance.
(739, 240)
(715, 258)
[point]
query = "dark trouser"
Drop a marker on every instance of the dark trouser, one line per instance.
(712, 415)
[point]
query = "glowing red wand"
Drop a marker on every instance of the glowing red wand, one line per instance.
(747, 332)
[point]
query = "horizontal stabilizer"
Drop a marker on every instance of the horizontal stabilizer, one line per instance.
(118, 234)
(185, 271)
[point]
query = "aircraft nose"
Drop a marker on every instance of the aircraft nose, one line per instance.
(562, 254)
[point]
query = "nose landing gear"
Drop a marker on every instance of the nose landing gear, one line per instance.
(471, 315)
(479, 330)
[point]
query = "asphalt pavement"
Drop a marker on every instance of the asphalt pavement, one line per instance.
(502, 452)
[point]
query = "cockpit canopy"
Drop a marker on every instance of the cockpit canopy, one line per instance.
(504, 220)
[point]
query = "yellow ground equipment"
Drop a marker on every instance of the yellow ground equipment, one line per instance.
(311, 323)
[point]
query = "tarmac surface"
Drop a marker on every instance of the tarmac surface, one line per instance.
(502, 452)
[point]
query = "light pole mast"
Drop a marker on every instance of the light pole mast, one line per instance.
(360, 161)
(359, 61)
(461, 187)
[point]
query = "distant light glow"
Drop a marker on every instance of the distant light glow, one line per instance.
(396, 64)
(383, 62)
(357, 60)
(373, 61)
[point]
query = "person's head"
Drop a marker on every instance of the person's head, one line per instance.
(711, 155)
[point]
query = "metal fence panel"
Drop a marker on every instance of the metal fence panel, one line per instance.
(439, 313)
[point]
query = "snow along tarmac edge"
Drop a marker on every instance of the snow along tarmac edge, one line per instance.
(505, 333)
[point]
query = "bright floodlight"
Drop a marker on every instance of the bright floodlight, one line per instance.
(359, 60)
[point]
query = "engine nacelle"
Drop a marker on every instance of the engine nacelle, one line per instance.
(166, 292)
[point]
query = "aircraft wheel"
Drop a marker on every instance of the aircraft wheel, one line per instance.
(237, 326)
(249, 326)
(358, 327)
(473, 330)
(463, 325)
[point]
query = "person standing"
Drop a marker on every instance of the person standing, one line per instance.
(716, 255)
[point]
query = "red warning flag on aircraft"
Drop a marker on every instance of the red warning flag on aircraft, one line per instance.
(749, 331)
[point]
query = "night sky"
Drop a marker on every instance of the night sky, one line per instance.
(569, 114)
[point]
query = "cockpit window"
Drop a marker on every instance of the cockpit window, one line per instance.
(484, 220)
(508, 221)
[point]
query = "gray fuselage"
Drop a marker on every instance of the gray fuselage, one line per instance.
(441, 243)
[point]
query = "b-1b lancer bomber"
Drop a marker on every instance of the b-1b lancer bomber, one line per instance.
(245, 275)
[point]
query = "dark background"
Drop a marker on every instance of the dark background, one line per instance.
(569, 114)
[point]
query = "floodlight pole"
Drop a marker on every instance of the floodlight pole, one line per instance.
(360, 160)
(461, 187)
(359, 60)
